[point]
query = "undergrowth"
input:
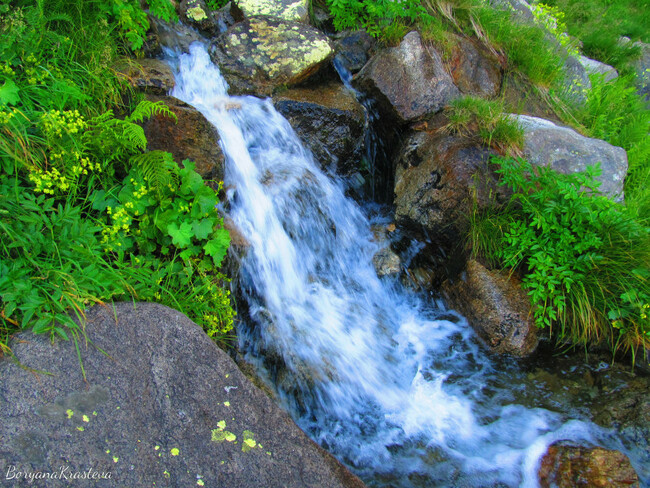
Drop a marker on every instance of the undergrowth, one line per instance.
(87, 214)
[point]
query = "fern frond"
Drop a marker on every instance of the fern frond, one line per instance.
(158, 168)
(146, 109)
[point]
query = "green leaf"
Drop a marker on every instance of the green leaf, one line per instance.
(9, 93)
(218, 246)
(203, 228)
(181, 236)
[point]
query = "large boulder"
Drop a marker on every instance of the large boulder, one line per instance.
(567, 152)
(475, 71)
(260, 54)
(148, 75)
(496, 307)
(569, 466)
(291, 10)
(192, 137)
(594, 67)
(436, 178)
(161, 405)
(329, 120)
(408, 81)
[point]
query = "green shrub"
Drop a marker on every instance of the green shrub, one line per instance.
(585, 259)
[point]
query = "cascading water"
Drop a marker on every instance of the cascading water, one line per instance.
(396, 388)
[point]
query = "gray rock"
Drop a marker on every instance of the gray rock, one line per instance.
(192, 137)
(408, 81)
(329, 120)
(520, 8)
(148, 75)
(197, 14)
(474, 70)
(386, 262)
(261, 54)
(352, 50)
(496, 307)
(576, 82)
(290, 10)
(596, 67)
(175, 36)
(642, 68)
(567, 152)
(162, 405)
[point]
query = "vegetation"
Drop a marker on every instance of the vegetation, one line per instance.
(87, 214)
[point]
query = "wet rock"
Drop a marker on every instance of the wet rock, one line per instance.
(474, 70)
(566, 151)
(149, 75)
(193, 137)
(329, 120)
(353, 50)
(496, 307)
(176, 36)
(260, 54)
(197, 14)
(596, 67)
(408, 81)
(162, 405)
(387, 262)
(435, 179)
(568, 466)
(290, 10)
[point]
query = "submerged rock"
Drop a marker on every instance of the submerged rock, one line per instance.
(193, 137)
(496, 307)
(569, 466)
(567, 152)
(291, 10)
(162, 405)
(408, 81)
(329, 120)
(261, 54)
(149, 75)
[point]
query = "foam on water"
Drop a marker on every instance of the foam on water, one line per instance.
(385, 381)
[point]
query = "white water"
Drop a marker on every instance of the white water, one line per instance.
(398, 389)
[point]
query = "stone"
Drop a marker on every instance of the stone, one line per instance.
(642, 69)
(408, 81)
(496, 307)
(353, 50)
(567, 152)
(198, 15)
(436, 176)
(148, 75)
(594, 67)
(290, 10)
(175, 36)
(192, 137)
(576, 82)
(161, 405)
(330, 121)
(387, 262)
(261, 54)
(474, 70)
(568, 466)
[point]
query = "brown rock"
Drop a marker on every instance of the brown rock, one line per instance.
(568, 466)
(496, 307)
(408, 81)
(475, 71)
(193, 137)
(149, 75)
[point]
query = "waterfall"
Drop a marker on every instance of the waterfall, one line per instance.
(394, 386)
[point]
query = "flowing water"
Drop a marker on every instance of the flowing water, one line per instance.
(394, 386)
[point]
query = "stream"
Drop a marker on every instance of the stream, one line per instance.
(395, 386)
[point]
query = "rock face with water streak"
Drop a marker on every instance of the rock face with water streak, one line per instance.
(260, 54)
(291, 10)
(408, 81)
(568, 466)
(566, 151)
(192, 137)
(496, 307)
(162, 405)
(329, 120)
